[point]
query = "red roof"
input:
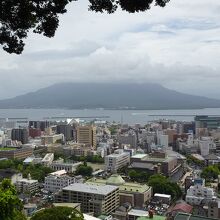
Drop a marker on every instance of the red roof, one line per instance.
(183, 207)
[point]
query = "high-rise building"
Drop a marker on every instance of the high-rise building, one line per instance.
(39, 125)
(34, 132)
(163, 140)
(20, 134)
(206, 122)
(67, 130)
(86, 135)
(128, 139)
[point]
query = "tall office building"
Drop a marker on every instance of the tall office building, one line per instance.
(86, 135)
(20, 134)
(206, 123)
(39, 125)
(67, 130)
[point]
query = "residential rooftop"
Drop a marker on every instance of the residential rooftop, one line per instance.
(186, 216)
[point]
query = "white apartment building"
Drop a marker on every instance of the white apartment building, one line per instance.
(27, 185)
(58, 180)
(206, 144)
(199, 193)
(117, 160)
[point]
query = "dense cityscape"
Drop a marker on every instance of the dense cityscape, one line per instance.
(164, 169)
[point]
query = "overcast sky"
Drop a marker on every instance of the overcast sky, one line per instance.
(177, 46)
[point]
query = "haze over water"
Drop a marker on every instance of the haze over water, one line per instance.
(126, 116)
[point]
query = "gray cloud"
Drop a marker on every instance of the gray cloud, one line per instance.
(176, 46)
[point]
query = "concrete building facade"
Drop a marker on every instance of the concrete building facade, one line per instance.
(57, 181)
(87, 135)
(117, 160)
(95, 199)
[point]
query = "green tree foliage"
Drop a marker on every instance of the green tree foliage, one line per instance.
(10, 204)
(84, 170)
(161, 184)
(92, 159)
(138, 176)
(58, 213)
(192, 160)
(37, 171)
(210, 173)
(18, 17)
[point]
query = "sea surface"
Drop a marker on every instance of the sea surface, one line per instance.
(125, 116)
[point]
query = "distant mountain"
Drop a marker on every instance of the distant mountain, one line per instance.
(110, 96)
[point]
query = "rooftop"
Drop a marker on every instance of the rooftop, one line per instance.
(137, 212)
(7, 148)
(162, 195)
(89, 188)
(118, 154)
(141, 165)
(58, 173)
(89, 217)
(71, 205)
(155, 217)
(139, 156)
(198, 156)
(184, 207)
(24, 180)
(116, 180)
(186, 216)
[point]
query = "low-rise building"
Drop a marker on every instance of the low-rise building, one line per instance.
(199, 193)
(95, 199)
(78, 150)
(48, 159)
(163, 198)
(16, 153)
(134, 193)
(166, 164)
(52, 139)
(180, 207)
(117, 160)
(68, 167)
(27, 185)
(214, 209)
(58, 180)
